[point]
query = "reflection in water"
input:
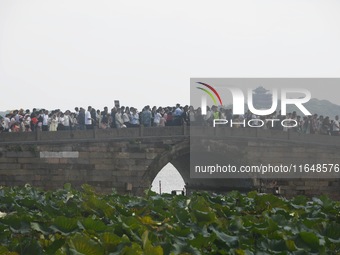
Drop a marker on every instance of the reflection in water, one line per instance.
(170, 180)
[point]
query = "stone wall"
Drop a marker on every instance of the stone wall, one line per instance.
(129, 159)
(257, 146)
(106, 159)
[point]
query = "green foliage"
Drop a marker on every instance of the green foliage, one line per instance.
(68, 221)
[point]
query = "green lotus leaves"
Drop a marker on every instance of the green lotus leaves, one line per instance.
(65, 225)
(81, 222)
(93, 225)
(82, 245)
(5, 251)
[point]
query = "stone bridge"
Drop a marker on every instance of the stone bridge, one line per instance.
(129, 159)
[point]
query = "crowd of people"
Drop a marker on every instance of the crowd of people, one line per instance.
(129, 117)
(81, 119)
(312, 124)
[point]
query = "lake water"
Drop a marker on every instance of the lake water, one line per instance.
(170, 180)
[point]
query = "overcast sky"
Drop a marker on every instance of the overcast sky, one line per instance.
(62, 54)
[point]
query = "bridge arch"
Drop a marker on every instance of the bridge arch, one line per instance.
(178, 155)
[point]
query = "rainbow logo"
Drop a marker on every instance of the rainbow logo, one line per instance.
(209, 92)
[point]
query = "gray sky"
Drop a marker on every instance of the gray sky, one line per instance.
(62, 54)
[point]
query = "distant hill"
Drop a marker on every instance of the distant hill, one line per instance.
(320, 107)
(323, 107)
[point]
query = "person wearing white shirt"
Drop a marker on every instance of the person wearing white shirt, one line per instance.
(126, 117)
(27, 122)
(7, 122)
(157, 118)
(45, 121)
(119, 119)
(88, 118)
(66, 121)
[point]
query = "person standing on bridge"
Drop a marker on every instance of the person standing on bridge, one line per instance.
(146, 116)
(326, 126)
(94, 117)
(45, 121)
(54, 123)
(88, 118)
(119, 119)
(7, 122)
(1, 124)
(104, 122)
(81, 119)
(134, 118)
(178, 115)
(336, 127)
(66, 120)
(126, 116)
(157, 118)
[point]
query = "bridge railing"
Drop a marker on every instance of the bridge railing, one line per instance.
(222, 132)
